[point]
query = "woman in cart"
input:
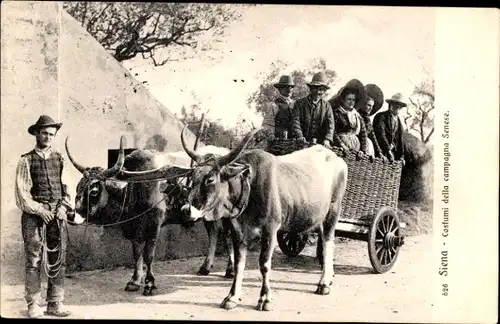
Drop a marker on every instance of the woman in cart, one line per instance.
(350, 131)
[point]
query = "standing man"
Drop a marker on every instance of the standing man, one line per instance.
(278, 116)
(389, 129)
(312, 115)
(43, 198)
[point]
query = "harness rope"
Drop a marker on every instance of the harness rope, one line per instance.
(56, 266)
(123, 205)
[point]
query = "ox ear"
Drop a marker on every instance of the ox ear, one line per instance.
(235, 169)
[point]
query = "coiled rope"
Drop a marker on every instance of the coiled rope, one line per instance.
(52, 270)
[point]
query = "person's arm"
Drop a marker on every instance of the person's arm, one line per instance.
(24, 200)
(336, 138)
(378, 128)
(330, 123)
(400, 152)
(376, 146)
(362, 136)
(65, 180)
(296, 114)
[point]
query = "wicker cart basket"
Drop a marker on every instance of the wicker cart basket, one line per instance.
(368, 208)
(371, 183)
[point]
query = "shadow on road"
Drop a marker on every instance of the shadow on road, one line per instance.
(107, 286)
(309, 264)
(208, 305)
(112, 291)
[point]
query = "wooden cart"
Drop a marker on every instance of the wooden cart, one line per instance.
(369, 207)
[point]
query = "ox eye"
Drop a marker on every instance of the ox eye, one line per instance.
(210, 180)
(93, 192)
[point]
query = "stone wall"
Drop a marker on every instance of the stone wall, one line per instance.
(51, 65)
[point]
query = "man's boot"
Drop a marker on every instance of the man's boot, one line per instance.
(57, 309)
(34, 310)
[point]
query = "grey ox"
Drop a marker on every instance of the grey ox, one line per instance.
(257, 193)
(141, 209)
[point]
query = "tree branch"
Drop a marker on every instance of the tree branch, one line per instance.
(408, 116)
(84, 15)
(429, 135)
(422, 120)
(163, 62)
(93, 20)
(412, 102)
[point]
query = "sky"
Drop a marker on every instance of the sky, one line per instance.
(392, 47)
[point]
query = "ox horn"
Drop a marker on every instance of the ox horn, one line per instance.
(79, 167)
(120, 161)
(235, 153)
(192, 153)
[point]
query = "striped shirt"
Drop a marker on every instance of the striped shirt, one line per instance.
(24, 183)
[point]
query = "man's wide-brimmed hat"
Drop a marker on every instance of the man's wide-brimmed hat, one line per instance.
(398, 99)
(285, 81)
(43, 121)
(374, 92)
(319, 80)
(354, 85)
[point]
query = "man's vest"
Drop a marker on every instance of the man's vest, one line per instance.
(46, 176)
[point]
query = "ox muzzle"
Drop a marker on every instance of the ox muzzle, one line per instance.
(76, 219)
(192, 214)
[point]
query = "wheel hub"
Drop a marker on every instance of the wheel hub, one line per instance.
(392, 241)
(389, 241)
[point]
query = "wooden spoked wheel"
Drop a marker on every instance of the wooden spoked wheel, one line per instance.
(384, 240)
(291, 244)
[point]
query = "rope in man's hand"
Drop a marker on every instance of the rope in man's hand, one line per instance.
(52, 270)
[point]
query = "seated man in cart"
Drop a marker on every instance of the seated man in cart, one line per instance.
(277, 118)
(312, 115)
(388, 128)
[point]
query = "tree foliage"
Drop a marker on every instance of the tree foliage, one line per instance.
(266, 93)
(158, 31)
(420, 112)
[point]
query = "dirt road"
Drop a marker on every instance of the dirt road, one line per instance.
(401, 295)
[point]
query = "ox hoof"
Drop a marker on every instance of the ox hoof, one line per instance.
(229, 274)
(323, 289)
(203, 272)
(227, 303)
(132, 287)
(264, 305)
(149, 291)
